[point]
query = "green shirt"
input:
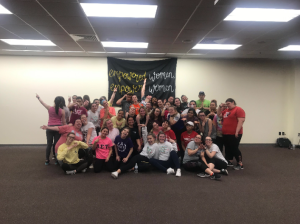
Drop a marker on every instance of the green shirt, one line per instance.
(206, 103)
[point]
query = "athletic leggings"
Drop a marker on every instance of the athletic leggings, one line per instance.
(52, 139)
(100, 164)
(220, 143)
(232, 147)
(142, 162)
(164, 165)
(82, 164)
(195, 165)
(219, 164)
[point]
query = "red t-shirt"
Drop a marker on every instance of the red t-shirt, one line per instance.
(64, 131)
(76, 113)
(230, 120)
(186, 138)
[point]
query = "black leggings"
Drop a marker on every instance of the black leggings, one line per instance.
(82, 164)
(142, 161)
(52, 139)
(220, 143)
(232, 147)
(164, 165)
(195, 166)
(219, 164)
(100, 164)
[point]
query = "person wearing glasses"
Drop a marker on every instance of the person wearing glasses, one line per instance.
(68, 154)
(214, 157)
(194, 159)
(233, 120)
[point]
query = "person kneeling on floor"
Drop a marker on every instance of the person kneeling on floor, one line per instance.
(68, 153)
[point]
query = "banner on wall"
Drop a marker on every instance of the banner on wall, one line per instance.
(128, 76)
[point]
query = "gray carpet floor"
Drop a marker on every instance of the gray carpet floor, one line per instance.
(266, 191)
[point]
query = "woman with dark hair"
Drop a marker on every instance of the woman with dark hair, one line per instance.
(171, 100)
(232, 130)
(206, 127)
(56, 118)
(154, 102)
(177, 104)
(167, 156)
(142, 160)
(103, 148)
(142, 120)
(191, 116)
(123, 148)
(212, 111)
(134, 135)
(87, 102)
(155, 116)
(119, 120)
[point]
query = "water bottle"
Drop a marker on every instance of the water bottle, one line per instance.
(136, 168)
(293, 146)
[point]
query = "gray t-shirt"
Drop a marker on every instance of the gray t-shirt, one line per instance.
(94, 118)
(192, 145)
(67, 114)
(84, 130)
(218, 155)
(125, 106)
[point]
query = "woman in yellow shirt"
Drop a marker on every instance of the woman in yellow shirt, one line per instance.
(119, 120)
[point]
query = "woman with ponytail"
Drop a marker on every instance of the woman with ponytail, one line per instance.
(56, 118)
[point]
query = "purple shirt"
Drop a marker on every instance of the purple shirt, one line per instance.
(123, 146)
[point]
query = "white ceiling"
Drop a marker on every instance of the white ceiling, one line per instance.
(175, 21)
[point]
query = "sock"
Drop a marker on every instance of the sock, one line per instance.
(212, 174)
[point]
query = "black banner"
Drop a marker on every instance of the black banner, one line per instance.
(128, 76)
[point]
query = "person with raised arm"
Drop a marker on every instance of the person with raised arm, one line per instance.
(77, 109)
(194, 159)
(214, 157)
(167, 156)
(136, 104)
(125, 103)
(74, 99)
(56, 118)
(233, 120)
(106, 112)
(103, 148)
(68, 154)
(149, 151)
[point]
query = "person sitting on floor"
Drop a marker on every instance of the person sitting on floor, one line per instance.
(68, 154)
(193, 162)
(141, 160)
(167, 156)
(214, 157)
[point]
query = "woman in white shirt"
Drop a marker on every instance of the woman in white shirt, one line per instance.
(167, 156)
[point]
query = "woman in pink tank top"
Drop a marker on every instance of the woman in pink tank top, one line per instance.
(56, 118)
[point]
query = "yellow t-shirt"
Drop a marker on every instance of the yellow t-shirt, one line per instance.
(70, 156)
(118, 124)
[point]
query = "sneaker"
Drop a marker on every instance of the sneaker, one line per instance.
(238, 167)
(215, 176)
(53, 157)
(224, 171)
(47, 162)
(178, 173)
(170, 171)
(229, 164)
(203, 175)
(91, 166)
(70, 172)
(84, 170)
(115, 175)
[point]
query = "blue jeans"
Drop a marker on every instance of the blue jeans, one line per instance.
(164, 165)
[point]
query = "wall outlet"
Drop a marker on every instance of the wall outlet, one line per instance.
(283, 133)
(279, 133)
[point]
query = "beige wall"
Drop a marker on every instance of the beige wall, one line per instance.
(261, 87)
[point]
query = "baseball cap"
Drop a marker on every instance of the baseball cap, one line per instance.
(201, 93)
(190, 123)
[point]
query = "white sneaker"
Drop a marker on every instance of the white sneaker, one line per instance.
(170, 171)
(70, 172)
(114, 175)
(178, 173)
(91, 166)
(84, 170)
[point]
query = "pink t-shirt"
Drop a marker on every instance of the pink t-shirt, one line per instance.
(102, 149)
(54, 119)
(64, 131)
(102, 112)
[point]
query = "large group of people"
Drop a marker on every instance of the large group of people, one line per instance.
(166, 134)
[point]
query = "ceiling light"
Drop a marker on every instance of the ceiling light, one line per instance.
(135, 53)
(262, 15)
(291, 48)
(216, 46)
(156, 53)
(4, 10)
(119, 10)
(96, 52)
(125, 44)
(28, 42)
(20, 50)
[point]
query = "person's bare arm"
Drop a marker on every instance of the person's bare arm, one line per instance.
(143, 89)
(210, 154)
(183, 146)
(54, 128)
(192, 152)
(138, 142)
(88, 136)
(71, 105)
(63, 117)
(117, 154)
(42, 102)
(95, 144)
(112, 98)
(119, 102)
(241, 121)
(109, 154)
(209, 127)
(147, 119)
(127, 157)
(203, 158)
(219, 111)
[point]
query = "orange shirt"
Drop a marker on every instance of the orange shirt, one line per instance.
(137, 107)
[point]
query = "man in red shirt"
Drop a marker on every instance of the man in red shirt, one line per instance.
(188, 135)
(232, 130)
(77, 110)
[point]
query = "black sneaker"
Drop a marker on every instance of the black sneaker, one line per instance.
(203, 175)
(238, 167)
(215, 176)
(224, 172)
(229, 164)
